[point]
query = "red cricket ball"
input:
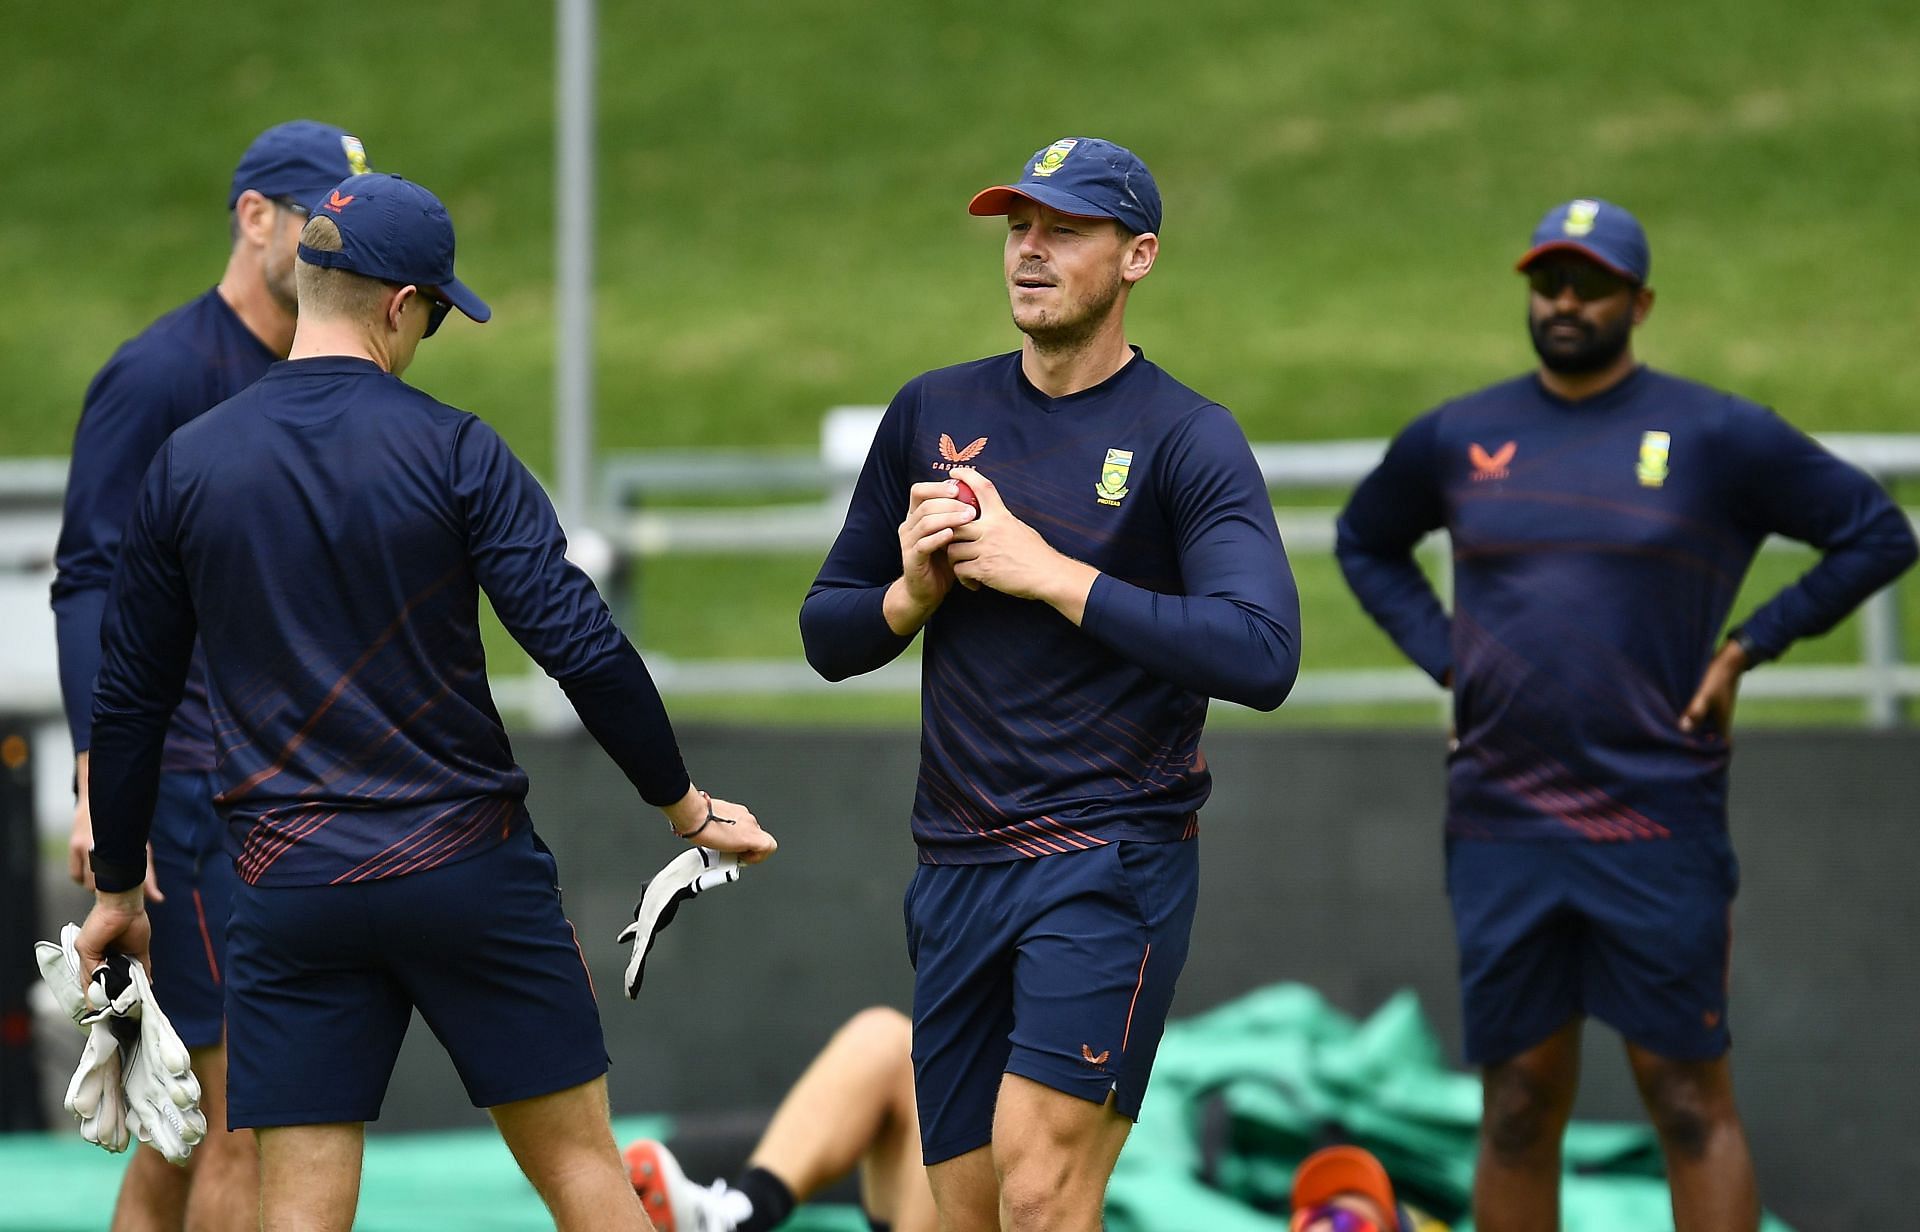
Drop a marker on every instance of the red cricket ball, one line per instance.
(965, 496)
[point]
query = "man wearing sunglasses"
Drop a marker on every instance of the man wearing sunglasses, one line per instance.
(1603, 515)
(327, 532)
(198, 355)
(1345, 1189)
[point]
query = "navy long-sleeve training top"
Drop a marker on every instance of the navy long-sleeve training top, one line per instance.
(195, 357)
(1038, 737)
(1598, 547)
(327, 532)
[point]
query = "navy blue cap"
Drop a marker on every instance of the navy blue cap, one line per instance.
(300, 159)
(1085, 177)
(394, 230)
(1598, 230)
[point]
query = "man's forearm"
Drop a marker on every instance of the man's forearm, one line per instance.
(846, 631)
(122, 777)
(905, 615)
(1068, 587)
(1208, 644)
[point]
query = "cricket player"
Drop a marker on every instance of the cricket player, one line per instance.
(327, 533)
(1123, 567)
(1603, 515)
(200, 354)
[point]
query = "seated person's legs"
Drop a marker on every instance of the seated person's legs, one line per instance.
(852, 1108)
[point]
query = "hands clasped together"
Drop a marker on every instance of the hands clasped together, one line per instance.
(943, 539)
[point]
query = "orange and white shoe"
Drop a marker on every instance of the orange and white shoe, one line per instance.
(674, 1203)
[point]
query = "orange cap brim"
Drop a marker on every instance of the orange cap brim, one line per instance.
(1540, 250)
(1000, 198)
(1337, 1170)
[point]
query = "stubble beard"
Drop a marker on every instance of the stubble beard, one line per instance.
(280, 284)
(1595, 350)
(1055, 333)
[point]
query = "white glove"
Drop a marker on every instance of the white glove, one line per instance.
(163, 1096)
(687, 874)
(60, 972)
(95, 1096)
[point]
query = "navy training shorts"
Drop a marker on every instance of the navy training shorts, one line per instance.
(196, 876)
(1060, 969)
(1637, 934)
(324, 980)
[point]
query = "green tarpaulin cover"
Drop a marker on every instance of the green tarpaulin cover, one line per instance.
(1240, 1095)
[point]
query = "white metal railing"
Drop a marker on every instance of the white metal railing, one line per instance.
(642, 520)
(663, 503)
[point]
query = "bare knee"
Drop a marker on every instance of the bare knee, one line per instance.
(1685, 1104)
(879, 1032)
(1050, 1183)
(1032, 1194)
(235, 1153)
(1524, 1114)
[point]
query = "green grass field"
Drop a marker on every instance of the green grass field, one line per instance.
(783, 226)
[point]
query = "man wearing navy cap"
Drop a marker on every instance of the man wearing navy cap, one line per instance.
(197, 355)
(327, 533)
(1118, 564)
(1603, 515)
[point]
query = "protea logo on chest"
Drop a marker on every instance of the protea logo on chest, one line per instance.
(1656, 448)
(952, 455)
(1112, 488)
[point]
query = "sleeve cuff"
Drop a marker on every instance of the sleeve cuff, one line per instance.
(116, 878)
(1097, 601)
(1757, 652)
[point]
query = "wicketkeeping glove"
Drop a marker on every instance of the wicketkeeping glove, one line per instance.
(96, 1096)
(163, 1096)
(687, 874)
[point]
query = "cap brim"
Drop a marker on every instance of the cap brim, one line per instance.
(465, 300)
(309, 199)
(1342, 1170)
(1574, 246)
(1000, 198)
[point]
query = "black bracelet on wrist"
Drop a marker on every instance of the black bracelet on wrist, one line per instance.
(711, 818)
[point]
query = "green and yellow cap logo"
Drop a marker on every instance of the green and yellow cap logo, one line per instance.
(1580, 217)
(355, 152)
(1055, 154)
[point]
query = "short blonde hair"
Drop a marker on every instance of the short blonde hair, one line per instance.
(333, 293)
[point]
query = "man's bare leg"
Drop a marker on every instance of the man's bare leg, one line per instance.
(1053, 1154)
(310, 1176)
(1709, 1166)
(853, 1107)
(153, 1194)
(225, 1192)
(1527, 1101)
(966, 1192)
(217, 1190)
(564, 1144)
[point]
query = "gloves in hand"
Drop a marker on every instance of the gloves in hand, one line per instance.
(95, 1096)
(687, 874)
(135, 1076)
(163, 1096)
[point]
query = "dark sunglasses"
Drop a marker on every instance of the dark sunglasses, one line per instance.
(292, 207)
(1589, 282)
(1338, 1218)
(437, 310)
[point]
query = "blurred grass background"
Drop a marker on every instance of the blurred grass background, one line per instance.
(783, 229)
